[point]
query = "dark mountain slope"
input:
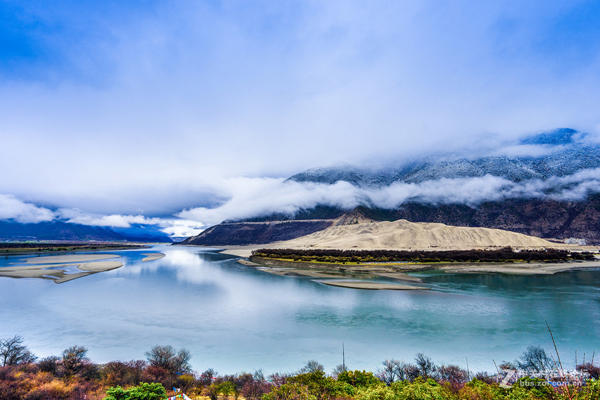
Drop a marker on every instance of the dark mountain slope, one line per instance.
(57, 230)
(536, 217)
(242, 233)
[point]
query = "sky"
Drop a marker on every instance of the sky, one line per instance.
(184, 113)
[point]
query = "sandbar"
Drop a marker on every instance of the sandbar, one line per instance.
(372, 285)
(31, 273)
(100, 266)
(57, 272)
(152, 256)
(399, 276)
(70, 258)
(247, 263)
(521, 268)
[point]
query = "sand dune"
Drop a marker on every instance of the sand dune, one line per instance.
(403, 234)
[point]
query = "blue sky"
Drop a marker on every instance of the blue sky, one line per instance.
(148, 108)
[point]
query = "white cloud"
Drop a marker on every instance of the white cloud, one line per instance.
(182, 227)
(17, 210)
(171, 226)
(76, 216)
(171, 99)
(250, 197)
(256, 197)
(260, 196)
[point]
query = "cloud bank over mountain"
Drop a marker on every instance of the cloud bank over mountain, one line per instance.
(268, 196)
(128, 111)
(264, 196)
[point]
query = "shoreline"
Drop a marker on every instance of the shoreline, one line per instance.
(16, 248)
(518, 268)
(389, 270)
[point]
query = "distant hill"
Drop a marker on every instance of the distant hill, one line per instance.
(57, 230)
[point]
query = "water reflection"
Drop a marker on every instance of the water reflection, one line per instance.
(234, 317)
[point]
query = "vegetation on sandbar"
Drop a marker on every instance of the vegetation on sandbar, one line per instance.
(504, 255)
(43, 247)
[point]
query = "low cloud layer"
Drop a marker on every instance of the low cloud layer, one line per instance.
(177, 227)
(17, 210)
(13, 209)
(118, 113)
(148, 107)
(252, 197)
(256, 197)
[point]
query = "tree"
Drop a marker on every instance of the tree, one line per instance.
(426, 366)
(123, 373)
(74, 359)
(394, 370)
(167, 358)
(390, 371)
(338, 370)
(452, 374)
(256, 387)
(207, 377)
(311, 366)
(49, 364)
(535, 359)
(13, 352)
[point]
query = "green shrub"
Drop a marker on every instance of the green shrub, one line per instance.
(479, 390)
(359, 378)
(590, 391)
(323, 387)
(380, 392)
(289, 391)
(420, 389)
(145, 391)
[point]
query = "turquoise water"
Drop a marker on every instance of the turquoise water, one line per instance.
(235, 318)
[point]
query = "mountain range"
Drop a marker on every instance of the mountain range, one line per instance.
(567, 152)
(59, 230)
(550, 157)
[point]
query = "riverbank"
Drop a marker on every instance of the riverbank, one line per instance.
(398, 271)
(22, 248)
